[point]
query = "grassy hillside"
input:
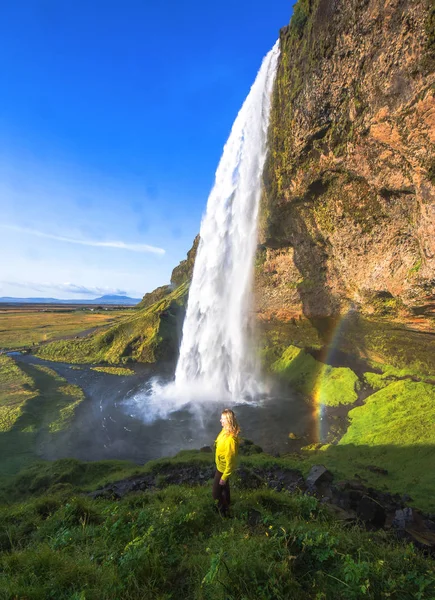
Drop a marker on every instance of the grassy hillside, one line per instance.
(147, 335)
(169, 543)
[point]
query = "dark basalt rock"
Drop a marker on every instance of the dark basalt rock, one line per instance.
(403, 518)
(119, 489)
(318, 474)
(371, 512)
(319, 481)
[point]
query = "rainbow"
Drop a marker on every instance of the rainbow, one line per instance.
(331, 344)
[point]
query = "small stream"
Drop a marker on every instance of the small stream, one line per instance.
(105, 425)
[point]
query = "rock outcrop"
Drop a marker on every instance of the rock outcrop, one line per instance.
(348, 210)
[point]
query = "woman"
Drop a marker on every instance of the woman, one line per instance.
(227, 446)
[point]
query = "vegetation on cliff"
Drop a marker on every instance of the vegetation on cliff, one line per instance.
(149, 334)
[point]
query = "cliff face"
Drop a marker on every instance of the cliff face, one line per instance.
(348, 210)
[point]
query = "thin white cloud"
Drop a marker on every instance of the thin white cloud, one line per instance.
(119, 245)
(66, 288)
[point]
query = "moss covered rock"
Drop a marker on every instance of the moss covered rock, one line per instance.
(331, 386)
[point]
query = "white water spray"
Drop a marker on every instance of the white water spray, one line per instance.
(215, 362)
(214, 354)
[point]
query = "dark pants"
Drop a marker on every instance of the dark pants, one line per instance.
(221, 493)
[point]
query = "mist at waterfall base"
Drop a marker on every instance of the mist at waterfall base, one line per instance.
(216, 366)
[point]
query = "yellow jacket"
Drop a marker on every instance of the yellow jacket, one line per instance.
(227, 446)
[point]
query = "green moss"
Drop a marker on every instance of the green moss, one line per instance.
(16, 388)
(376, 380)
(122, 371)
(328, 385)
(401, 414)
(72, 396)
(300, 16)
(416, 267)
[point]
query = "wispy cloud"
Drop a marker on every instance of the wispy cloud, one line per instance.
(119, 245)
(66, 288)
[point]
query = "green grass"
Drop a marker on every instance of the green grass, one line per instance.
(114, 370)
(395, 430)
(171, 544)
(45, 406)
(16, 388)
(22, 328)
(147, 335)
(330, 385)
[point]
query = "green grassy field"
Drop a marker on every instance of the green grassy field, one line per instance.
(55, 542)
(22, 327)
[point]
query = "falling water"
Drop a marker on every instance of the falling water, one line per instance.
(214, 354)
(215, 363)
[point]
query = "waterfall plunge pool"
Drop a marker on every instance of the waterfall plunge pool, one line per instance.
(112, 422)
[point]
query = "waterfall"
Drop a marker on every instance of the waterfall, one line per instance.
(214, 354)
(215, 363)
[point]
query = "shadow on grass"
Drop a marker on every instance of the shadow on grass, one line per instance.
(22, 444)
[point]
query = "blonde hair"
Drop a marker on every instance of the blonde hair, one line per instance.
(233, 426)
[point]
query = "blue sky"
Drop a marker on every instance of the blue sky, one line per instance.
(113, 116)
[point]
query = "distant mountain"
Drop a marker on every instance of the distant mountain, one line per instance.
(103, 300)
(115, 300)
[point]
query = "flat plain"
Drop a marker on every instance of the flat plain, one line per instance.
(28, 325)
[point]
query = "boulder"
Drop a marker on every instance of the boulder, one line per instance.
(318, 480)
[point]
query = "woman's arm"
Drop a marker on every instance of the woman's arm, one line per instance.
(230, 458)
